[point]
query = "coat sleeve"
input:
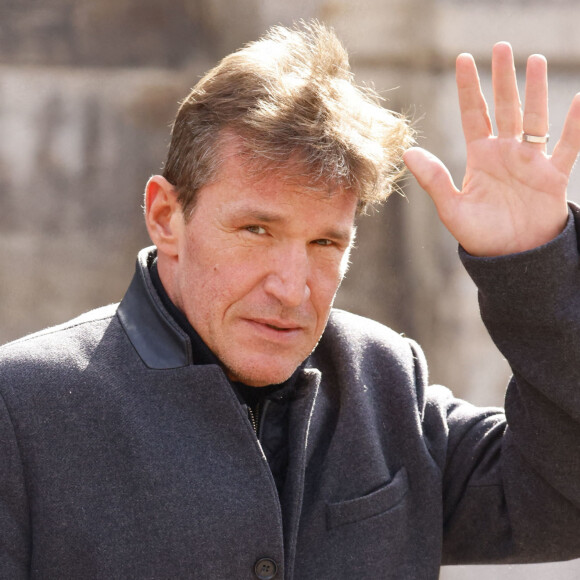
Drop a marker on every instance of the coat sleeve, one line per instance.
(511, 483)
(14, 518)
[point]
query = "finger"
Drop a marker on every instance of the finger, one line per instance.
(567, 149)
(474, 113)
(431, 174)
(536, 104)
(508, 114)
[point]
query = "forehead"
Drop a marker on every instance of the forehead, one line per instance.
(239, 188)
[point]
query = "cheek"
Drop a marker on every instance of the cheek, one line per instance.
(323, 288)
(223, 283)
(344, 265)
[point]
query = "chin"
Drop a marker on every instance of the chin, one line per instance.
(261, 377)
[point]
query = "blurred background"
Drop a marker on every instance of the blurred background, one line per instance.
(88, 90)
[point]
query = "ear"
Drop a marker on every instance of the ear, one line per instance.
(163, 215)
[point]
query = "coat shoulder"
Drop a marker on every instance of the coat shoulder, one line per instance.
(57, 349)
(366, 337)
(359, 345)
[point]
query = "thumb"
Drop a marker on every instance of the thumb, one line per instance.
(431, 174)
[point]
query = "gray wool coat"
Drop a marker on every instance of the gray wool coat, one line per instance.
(122, 459)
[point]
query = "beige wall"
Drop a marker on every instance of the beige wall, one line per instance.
(88, 89)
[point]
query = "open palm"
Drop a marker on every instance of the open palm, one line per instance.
(513, 196)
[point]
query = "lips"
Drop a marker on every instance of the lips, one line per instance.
(274, 330)
(275, 324)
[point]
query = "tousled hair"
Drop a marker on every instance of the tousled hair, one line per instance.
(291, 100)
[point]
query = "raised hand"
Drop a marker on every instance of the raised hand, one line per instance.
(514, 195)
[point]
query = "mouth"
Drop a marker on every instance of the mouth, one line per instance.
(281, 328)
(278, 325)
(275, 327)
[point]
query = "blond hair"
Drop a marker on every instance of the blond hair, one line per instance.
(289, 96)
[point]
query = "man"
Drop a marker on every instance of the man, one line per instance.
(223, 422)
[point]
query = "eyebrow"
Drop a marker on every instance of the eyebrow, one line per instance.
(261, 215)
(344, 236)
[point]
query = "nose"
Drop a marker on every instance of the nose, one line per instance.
(288, 276)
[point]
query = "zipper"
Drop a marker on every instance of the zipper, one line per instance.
(254, 415)
(257, 415)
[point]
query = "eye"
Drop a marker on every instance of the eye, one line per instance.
(323, 242)
(258, 230)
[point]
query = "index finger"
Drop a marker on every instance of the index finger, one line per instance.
(474, 112)
(567, 149)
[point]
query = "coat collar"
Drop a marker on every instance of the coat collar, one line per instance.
(156, 337)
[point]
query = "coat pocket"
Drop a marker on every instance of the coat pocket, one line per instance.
(367, 506)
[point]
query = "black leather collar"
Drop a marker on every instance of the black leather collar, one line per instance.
(157, 338)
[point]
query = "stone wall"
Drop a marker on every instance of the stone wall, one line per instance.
(88, 90)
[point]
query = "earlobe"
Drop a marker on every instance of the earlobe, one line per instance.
(161, 210)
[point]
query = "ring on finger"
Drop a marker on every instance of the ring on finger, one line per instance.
(543, 139)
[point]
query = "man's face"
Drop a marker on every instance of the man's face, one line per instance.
(258, 267)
